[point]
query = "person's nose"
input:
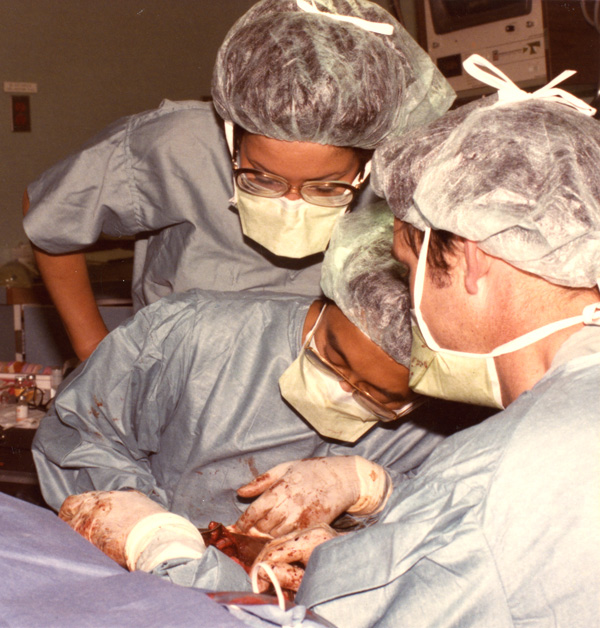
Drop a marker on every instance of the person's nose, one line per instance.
(293, 194)
(346, 386)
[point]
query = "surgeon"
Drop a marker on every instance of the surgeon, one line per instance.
(201, 393)
(498, 220)
(303, 91)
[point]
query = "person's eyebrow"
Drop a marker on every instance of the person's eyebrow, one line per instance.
(332, 341)
(333, 176)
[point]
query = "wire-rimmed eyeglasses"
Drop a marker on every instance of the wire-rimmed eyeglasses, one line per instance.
(323, 193)
(362, 397)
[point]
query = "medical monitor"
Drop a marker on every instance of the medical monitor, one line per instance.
(509, 33)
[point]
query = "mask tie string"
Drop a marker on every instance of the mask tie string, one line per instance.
(482, 70)
(229, 137)
(271, 573)
(229, 132)
(381, 28)
(362, 176)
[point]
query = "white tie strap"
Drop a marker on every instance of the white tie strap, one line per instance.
(487, 73)
(375, 27)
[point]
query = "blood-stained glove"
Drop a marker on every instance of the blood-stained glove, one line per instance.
(295, 547)
(316, 490)
(130, 528)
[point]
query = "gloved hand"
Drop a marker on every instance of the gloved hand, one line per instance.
(295, 547)
(316, 490)
(130, 528)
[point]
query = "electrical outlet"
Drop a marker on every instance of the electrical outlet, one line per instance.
(21, 115)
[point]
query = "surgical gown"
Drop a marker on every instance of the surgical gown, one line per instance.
(182, 402)
(164, 176)
(499, 527)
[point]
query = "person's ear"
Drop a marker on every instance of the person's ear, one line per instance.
(477, 264)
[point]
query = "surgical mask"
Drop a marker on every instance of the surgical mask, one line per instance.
(319, 398)
(437, 373)
(284, 227)
(463, 376)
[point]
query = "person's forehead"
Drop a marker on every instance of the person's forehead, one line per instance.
(356, 345)
(263, 143)
(336, 321)
(345, 336)
(299, 160)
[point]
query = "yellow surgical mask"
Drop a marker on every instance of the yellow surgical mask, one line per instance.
(320, 399)
(287, 228)
(453, 377)
(463, 376)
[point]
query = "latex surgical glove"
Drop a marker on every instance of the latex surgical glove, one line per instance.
(296, 548)
(132, 529)
(297, 494)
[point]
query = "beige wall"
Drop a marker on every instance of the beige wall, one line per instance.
(95, 61)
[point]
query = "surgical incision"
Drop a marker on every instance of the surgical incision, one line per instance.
(241, 548)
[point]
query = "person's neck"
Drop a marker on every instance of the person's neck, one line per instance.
(522, 369)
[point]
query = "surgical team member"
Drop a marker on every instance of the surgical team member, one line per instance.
(498, 219)
(183, 404)
(311, 87)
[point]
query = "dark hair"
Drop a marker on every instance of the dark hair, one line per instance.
(442, 245)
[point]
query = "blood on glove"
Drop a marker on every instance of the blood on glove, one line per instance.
(105, 518)
(295, 495)
(132, 529)
(288, 555)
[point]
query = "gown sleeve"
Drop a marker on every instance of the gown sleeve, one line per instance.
(138, 175)
(84, 195)
(107, 421)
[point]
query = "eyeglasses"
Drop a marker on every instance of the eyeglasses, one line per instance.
(324, 193)
(362, 397)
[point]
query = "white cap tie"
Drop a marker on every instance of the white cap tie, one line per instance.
(481, 69)
(375, 27)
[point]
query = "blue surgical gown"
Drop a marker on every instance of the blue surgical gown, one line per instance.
(499, 527)
(182, 402)
(164, 176)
